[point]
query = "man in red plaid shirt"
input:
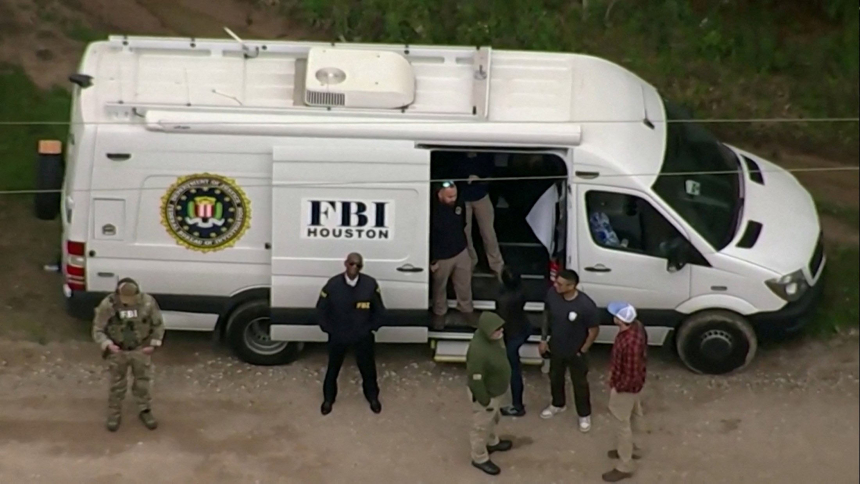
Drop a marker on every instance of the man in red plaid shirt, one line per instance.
(627, 378)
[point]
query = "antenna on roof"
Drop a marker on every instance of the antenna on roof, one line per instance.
(645, 107)
(245, 48)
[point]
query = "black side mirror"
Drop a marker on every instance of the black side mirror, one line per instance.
(677, 254)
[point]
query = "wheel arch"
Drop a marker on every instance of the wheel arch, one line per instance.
(235, 301)
(716, 302)
(709, 303)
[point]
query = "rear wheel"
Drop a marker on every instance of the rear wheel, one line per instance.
(248, 332)
(716, 342)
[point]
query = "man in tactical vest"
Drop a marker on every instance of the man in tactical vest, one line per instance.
(128, 327)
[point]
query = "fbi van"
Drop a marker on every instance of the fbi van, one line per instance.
(231, 178)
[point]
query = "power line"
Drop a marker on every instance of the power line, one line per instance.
(425, 121)
(436, 181)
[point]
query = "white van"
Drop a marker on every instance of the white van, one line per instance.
(231, 178)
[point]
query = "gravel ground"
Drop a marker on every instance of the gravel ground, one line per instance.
(791, 417)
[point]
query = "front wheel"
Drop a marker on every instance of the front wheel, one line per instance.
(249, 337)
(716, 342)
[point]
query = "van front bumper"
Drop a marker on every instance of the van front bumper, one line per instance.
(793, 317)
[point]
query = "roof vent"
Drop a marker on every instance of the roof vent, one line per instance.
(358, 79)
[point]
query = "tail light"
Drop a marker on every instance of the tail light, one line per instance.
(76, 266)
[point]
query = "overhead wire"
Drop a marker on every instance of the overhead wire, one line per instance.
(341, 184)
(426, 121)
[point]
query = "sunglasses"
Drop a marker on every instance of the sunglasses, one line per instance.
(355, 264)
(447, 184)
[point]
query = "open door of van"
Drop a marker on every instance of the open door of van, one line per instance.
(331, 197)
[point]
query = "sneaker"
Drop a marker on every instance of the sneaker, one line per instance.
(148, 420)
(113, 423)
(551, 411)
(584, 424)
(513, 412)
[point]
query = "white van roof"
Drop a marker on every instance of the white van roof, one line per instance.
(599, 104)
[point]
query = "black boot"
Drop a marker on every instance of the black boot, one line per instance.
(502, 446)
(325, 409)
(488, 467)
(375, 406)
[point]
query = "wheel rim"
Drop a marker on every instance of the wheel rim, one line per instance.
(259, 340)
(716, 345)
(717, 348)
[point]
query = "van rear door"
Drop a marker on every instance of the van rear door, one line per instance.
(331, 197)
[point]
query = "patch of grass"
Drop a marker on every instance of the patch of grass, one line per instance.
(21, 100)
(82, 33)
(739, 59)
(848, 215)
(840, 306)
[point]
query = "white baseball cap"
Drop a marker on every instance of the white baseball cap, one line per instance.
(623, 311)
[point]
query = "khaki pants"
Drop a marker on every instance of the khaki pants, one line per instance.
(483, 433)
(141, 369)
(459, 271)
(626, 409)
(483, 211)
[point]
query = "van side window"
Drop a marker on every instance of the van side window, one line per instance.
(624, 222)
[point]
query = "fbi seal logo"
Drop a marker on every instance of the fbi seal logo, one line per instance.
(205, 212)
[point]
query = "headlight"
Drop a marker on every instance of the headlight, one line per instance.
(790, 287)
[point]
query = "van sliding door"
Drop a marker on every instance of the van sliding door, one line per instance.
(331, 197)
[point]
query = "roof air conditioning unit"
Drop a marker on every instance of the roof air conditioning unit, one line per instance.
(358, 79)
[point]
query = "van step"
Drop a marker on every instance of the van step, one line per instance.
(454, 351)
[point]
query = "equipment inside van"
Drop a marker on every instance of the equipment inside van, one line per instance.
(231, 179)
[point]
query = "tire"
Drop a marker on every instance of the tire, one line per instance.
(49, 176)
(247, 334)
(716, 342)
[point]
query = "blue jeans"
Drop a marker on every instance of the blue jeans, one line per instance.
(513, 347)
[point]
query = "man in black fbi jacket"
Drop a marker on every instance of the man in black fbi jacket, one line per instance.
(350, 311)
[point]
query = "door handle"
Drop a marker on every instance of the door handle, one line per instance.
(410, 268)
(598, 268)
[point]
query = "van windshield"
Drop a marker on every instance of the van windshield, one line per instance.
(710, 202)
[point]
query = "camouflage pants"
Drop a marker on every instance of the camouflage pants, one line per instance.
(141, 370)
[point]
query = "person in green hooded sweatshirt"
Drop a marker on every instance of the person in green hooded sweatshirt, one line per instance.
(489, 376)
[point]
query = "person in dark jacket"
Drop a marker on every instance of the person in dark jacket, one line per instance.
(350, 311)
(510, 305)
(489, 376)
(449, 254)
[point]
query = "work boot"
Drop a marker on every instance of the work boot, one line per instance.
(502, 446)
(113, 422)
(488, 467)
(615, 475)
(325, 408)
(148, 420)
(375, 406)
(438, 322)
